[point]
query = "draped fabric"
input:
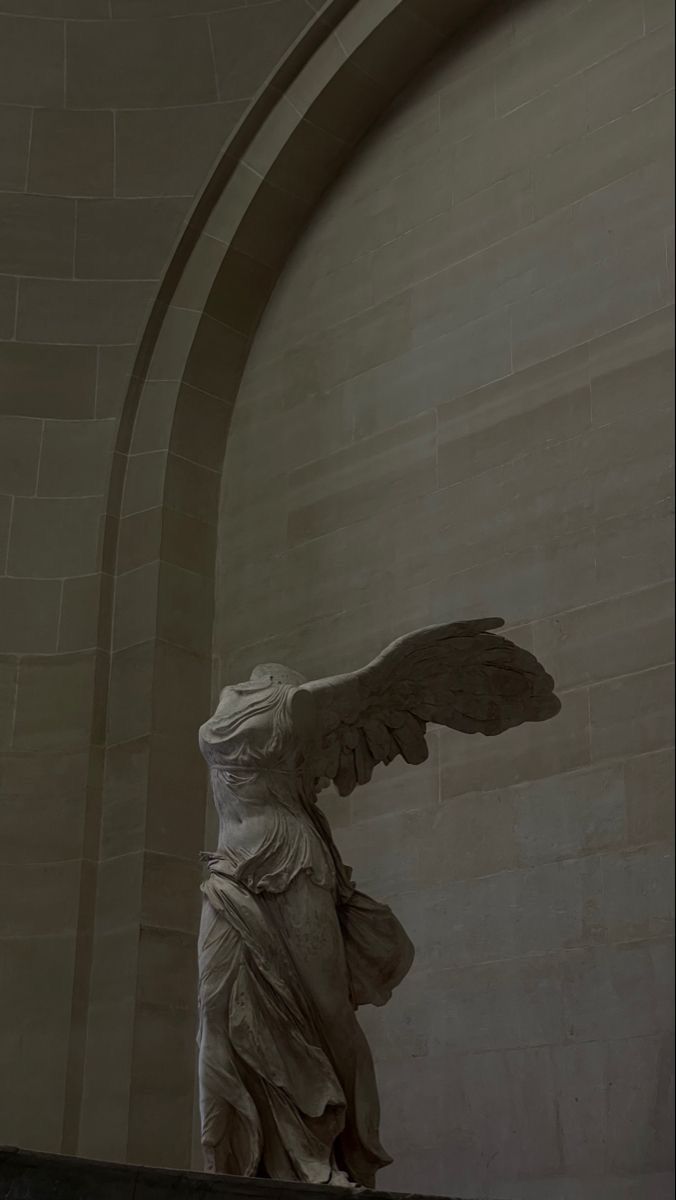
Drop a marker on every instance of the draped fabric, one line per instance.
(287, 950)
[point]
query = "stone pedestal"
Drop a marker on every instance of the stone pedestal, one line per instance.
(25, 1175)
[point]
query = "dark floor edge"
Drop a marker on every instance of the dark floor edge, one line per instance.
(34, 1175)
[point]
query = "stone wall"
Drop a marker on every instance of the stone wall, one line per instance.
(113, 114)
(459, 404)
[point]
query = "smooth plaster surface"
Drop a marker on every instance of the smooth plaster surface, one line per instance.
(458, 403)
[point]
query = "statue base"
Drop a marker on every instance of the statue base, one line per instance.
(27, 1175)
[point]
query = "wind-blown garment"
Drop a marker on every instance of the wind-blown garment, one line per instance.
(288, 949)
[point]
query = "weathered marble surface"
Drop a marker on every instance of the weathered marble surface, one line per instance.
(289, 949)
(25, 1175)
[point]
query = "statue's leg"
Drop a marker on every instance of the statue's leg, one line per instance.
(230, 1130)
(307, 918)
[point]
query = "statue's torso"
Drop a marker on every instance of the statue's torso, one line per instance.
(269, 829)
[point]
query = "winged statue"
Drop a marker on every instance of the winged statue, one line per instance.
(288, 948)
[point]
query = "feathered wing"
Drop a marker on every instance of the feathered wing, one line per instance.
(460, 675)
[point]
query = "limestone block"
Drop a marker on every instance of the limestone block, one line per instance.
(635, 545)
(581, 812)
(466, 104)
(185, 609)
(36, 380)
(515, 140)
(410, 1123)
(171, 897)
(638, 894)
(35, 1024)
(197, 134)
(118, 893)
(626, 347)
(632, 714)
(164, 1049)
(616, 637)
(639, 1075)
(563, 745)
(126, 239)
(20, 440)
(114, 365)
(124, 9)
(104, 1124)
(580, 1080)
(167, 967)
(40, 43)
(249, 42)
(469, 835)
(188, 542)
(72, 152)
(153, 422)
(559, 905)
(53, 537)
(36, 235)
(240, 304)
(54, 697)
(144, 482)
(138, 539)
(614, 392)
(192, 489)
(14, 137)
(589, 303)
(75, 457)
(616, 991)
(201, 425)
(310, 156)
(9, 288)
(173, 344)
(113, 978)
(216, 359)
(84, 9)
(584, 37)
(510, 1095)
(83, 312)
(340, 489)
(135, 607)
(29, 615)
(399, 787)
(634, 139)
(658, 13)
(454, 364)
(143, 64)
(650, 809)
(39, 900)
(131, 675)
(49, 789)
(504, 420)
(81, 612)
(631, 77)
(174, 773)
(467, 921)
(124, 805)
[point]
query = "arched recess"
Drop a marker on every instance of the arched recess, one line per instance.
(160, 538)
(333, 85)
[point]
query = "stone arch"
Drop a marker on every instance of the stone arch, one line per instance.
(156, 610)
(332, 86)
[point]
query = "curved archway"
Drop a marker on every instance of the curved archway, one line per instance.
(159, 543)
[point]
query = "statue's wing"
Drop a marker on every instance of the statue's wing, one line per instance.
(460, 675)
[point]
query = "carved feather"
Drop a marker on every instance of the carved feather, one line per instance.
(459, 675)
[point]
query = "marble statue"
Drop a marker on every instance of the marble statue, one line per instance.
(288, 947)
